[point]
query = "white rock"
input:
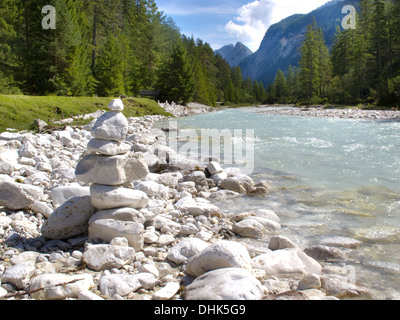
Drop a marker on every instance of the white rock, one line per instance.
(221, 254)
(153, 189)
(310, 281)
(204, 235)
(186, 249)
(66, 139)
(108, 197)
(270, 226)
(9, 161)
(16, 196)
(269, 214)
(150, 268)
(225, 284)
(165, 240)
(63, 193)
(43, 208)
(59, 286)
(24, 257)
(109, 148)
(188, 229)
(88, 295)
(169, 179)
(27, 150)
(187, 186)
(19, 275)
(5, 221)
(8, 136)
(233, 184)
(124, 284)
(280, 242)
(113, 170)
(103, 257)
(108, 229)
(197, 207)
(122, 214)
(286, 262)
(3, 292)
(219, 177)
(116, 105)
(70, 219)
(150, 237)
(27, 161)
(111, 126)
(214, 168)
(167, 292)
(249, 228)
(161, 221)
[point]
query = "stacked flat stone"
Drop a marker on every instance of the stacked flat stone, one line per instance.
(110, 167)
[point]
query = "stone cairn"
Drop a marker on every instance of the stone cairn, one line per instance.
(109, 167)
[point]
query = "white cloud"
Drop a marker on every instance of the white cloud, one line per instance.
(252, 22)
(254, 18)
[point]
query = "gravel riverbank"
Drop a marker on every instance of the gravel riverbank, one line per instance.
(185, 247)
(331, 113)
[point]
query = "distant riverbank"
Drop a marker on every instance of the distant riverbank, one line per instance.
(319, 111)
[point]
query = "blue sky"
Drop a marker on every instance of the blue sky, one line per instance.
(221, 22)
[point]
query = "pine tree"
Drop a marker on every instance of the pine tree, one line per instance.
(315, 65)
(110, 67)
(8, 36)
(280, 89)
(175, 80)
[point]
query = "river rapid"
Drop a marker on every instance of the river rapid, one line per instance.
(331, 177)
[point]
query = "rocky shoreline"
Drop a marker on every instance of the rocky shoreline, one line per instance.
(188, 248)
(320, 111)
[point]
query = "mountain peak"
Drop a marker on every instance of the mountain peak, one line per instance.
(279, 48)
(234, 54)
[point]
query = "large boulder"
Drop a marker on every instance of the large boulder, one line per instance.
(16, 196)
(225, 284)
(111, 170)
(287, 263)
(70, 219)
(221, 254)
(59, 286)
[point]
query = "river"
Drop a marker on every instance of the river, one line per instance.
(331, 178)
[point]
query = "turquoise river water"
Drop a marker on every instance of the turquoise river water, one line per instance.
(331, 178)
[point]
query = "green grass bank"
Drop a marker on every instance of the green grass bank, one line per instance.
(19, 111)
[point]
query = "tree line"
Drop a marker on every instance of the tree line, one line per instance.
(109, 48)
(363, 65)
